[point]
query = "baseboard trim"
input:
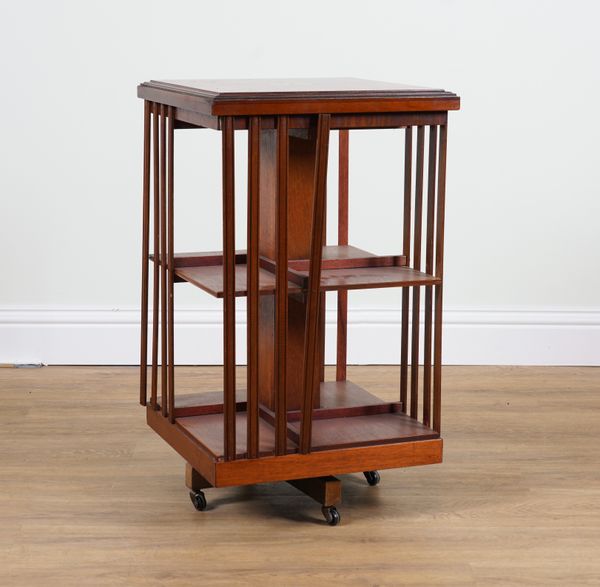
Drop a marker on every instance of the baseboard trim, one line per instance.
(103, 336)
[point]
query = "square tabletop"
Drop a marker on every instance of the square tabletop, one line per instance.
(244, 97)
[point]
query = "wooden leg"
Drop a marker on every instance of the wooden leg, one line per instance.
(325, 490)
(196, 483)
(193, 480)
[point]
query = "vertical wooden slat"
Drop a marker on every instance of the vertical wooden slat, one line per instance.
(439, 270)
(171, 268)
(322, 308)
(145, 253)
(418, 222)
(156, 250)
(431, 169)
(228, 287)
(163, 259)
(314, 281)
(406, 252)
(252, 284)
(281, 287)
(342, 295)
(322, 311)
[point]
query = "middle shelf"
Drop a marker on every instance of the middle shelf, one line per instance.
(343, 267)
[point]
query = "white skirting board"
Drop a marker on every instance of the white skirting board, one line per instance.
(97, 336)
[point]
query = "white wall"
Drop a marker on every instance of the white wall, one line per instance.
(523, 196)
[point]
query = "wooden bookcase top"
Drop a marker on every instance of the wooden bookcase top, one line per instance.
(243, 97)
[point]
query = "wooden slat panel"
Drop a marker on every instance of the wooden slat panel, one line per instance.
(312, 310)
(252, 428)
(418, 223)
(406, 253)
(439, 269)
(281, 287)
(342, 296)
(145, 253)
(229, 289)
(429, 268)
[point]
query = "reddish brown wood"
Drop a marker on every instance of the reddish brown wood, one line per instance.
(189, 447)
(325, 490)
(156, 247)
(287, 425)
(386, 120)
(229, 429)
(362, 273)
(209, 429)
(194, 480)
(253, 291)
(322, 302)
(335, 396)
(190, 119)
(429, 269)
(418, 220)
(182, 411)
(349, 411)
(328, 462)
(206, 258)
(296, 96)
(311, 331)
(342, 295)
(343, 186)
(337, 258)
(342, 335)
(439, 268)
(322, 312)
(373, 277)
(163, 269)
(210, 279)
(301, 165)
(406, 253)
(373, 429)
(171, 273)
(281, 299)
(145, 255)
(364, 426)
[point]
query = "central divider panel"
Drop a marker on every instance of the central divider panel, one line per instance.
(301, 170)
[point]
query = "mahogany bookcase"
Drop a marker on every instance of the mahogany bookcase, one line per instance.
(289, 424)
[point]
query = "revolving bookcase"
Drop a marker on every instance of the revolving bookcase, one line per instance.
(289, 424)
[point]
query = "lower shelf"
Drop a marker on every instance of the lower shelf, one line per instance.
(349, 416)
(243, 471)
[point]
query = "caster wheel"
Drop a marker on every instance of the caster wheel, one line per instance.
(332, 516)
(198, 499)
(372, 477)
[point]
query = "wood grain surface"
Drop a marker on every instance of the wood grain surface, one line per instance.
(89, 495)
(293, 96)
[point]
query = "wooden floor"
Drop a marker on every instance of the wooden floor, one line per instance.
(90, 496)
